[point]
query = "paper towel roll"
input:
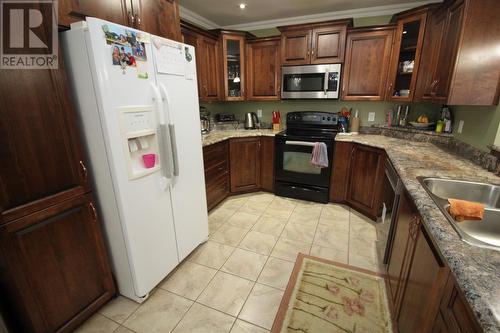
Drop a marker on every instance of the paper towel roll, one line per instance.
(355, 125)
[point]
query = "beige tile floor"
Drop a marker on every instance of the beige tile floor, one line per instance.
(235, 281)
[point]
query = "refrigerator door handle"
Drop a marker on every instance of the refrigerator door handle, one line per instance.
(164, 142)
(174, 149)
(173, 141)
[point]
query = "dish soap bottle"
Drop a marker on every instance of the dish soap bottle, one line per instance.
(446, 118)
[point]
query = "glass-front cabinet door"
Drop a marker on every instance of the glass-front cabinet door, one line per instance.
(406, 57)
(234, 67)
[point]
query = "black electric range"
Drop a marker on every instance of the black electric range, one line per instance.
(295, 176)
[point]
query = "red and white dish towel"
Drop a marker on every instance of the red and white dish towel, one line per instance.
(319, 156)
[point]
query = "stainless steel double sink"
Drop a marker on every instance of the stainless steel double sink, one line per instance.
(485, 233)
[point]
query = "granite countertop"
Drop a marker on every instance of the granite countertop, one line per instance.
(476, 269)
(218, 136)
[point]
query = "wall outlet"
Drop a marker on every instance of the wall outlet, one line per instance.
(259, 113)
(371, 116)
(460, 126)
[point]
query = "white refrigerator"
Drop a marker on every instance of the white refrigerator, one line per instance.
(137, 100)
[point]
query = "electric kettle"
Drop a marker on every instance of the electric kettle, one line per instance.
(251, 120)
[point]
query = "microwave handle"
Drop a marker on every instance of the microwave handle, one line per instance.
(325, 85)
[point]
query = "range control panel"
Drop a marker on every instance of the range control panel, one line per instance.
(312, 118)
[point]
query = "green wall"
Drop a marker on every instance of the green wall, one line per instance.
(380, 109)
(481, 125)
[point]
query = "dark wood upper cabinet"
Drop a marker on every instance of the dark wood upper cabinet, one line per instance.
(40, 157)
(245, 164)
(267, 163)
(434, 30)
(263, 69)
(406, 54)
(367, 61)
(449, 47)
(158, 17)
(295, 47)
(207, 51)
(328, 44)
(56, 268)
(318, 43)
(233, 65)
(210, 60)
(458, 66)
(116, 11)
(367, 167)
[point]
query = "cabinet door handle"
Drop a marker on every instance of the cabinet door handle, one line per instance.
(138, 20)
(390, 87)
(83, 172)
(131, 19)
(93, 211)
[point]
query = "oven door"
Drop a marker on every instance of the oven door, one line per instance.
(293, 163)
(316, 81)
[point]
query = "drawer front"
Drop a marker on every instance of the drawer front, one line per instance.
(215, 154)
(216, 171)
(217, 190)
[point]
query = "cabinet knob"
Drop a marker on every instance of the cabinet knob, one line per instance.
(131, 19)
(83, 172)
(138, 20)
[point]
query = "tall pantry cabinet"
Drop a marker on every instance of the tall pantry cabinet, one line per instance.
(54, 270)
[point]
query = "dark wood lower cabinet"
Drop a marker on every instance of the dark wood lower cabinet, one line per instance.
(340, 171)
(267, 163)
(55, 268)
(455, 313)
(238, 165)
(244, 155)
(401, 252)
(366, 176)
(216, 161)
(424, 285)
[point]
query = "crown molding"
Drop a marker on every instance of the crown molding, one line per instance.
(192, 17)
(354, 13)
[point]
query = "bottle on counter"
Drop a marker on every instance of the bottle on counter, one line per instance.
(447, 119)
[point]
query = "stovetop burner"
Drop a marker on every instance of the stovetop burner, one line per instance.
(311, 125)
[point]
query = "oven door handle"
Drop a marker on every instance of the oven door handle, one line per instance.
(300, 143)
(325, 85)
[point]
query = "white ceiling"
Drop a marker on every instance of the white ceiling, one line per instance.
(263, 13)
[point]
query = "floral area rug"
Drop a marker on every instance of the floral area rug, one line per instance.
(323, 296)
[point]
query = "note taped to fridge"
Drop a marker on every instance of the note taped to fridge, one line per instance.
(170, 57)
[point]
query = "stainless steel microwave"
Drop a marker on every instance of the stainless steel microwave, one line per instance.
(314, 81)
